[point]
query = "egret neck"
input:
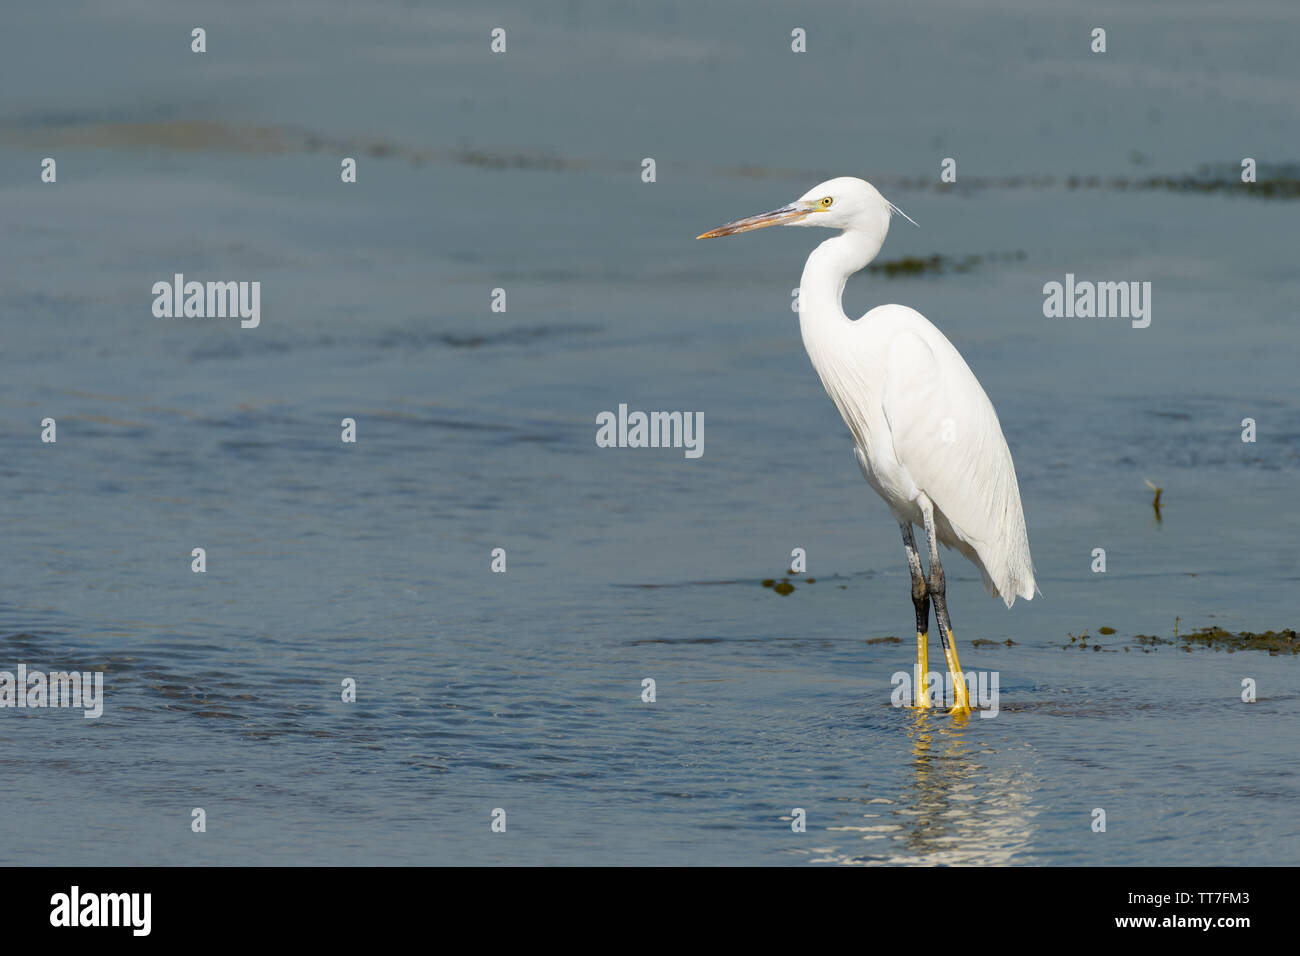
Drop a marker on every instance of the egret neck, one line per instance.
(821, 310)
(825, 273)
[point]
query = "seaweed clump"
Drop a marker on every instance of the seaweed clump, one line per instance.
(1274, 642)
(1285, 641)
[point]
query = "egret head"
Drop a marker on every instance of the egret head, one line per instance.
(841, 203)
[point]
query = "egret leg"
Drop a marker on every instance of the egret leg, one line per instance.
(921, 601)
(935, 586)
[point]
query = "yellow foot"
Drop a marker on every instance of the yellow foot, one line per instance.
(921, 690)
(961, 696)
(961, 693)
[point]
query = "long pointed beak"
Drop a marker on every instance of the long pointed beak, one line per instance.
(777, 217)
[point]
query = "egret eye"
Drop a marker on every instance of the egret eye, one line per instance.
(827, 201)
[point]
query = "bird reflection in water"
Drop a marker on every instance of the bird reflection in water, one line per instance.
(966, 804)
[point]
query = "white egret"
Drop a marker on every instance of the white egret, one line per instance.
(925, 435)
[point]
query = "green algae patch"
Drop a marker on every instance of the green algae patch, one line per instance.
(937, 264)
(782, 587)
(884, 640)
(1151, 640)
(1274, 642)
(1285, 641)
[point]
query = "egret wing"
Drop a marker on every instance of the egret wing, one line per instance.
(947, 436)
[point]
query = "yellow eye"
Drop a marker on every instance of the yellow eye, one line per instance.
(827, 201)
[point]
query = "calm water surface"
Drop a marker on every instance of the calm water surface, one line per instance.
(476, 431)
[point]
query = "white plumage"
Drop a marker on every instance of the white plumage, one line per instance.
(921, 423)
(925, 435)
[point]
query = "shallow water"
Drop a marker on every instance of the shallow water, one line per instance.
(476, 431)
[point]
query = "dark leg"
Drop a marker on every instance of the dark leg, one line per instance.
(936, 588)
(921, 601)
